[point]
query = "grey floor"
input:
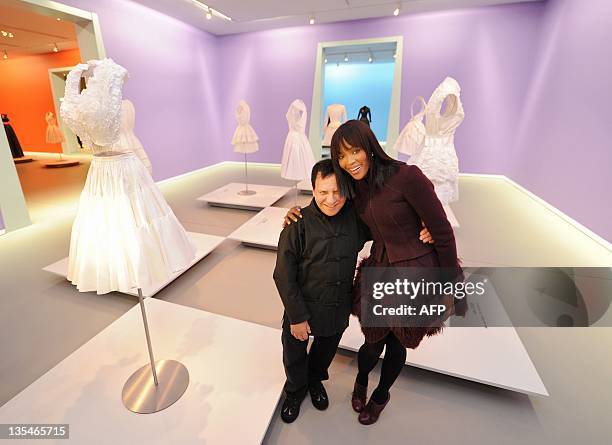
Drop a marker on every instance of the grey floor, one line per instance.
(43, 319)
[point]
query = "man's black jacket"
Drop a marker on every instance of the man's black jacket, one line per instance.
(315, 266)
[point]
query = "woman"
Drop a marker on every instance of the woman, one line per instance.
(394, 200)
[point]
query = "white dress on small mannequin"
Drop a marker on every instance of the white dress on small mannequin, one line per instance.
(124, 236)
(244, 139)
(128, 141)
(438, 159)
(53, 135)
(410, 141)
(298, 158)
(336, 115)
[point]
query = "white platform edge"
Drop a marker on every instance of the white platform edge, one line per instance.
(247, 234)
(353, 339)
(153, 307)
(205, 244)
(249, 202)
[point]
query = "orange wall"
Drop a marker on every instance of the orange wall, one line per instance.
(25, 95)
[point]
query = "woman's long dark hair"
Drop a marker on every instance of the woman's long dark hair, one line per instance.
(357, 134)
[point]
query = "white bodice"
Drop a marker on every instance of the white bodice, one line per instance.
(95, 114)
(296, 116)
(243, 113)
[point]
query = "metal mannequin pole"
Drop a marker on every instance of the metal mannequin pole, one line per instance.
(246, 177)
(146, 391)
(146, 326)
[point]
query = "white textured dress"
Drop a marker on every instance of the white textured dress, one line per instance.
(438, 158)
(124, 236)
(53, 134)
(298, 159)
(128, 141)
(336, 115)
(244, 139)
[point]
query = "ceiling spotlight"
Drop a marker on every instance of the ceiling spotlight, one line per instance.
(326, 60)
(5, 56)
(396, 11)
(346, 58)
(58, 19)
(11, 35)
(370, 59)
(311, 20)
(394, 55)
(4, 33)
(208, 14)
(55, 48)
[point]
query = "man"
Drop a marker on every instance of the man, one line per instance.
(315, 266)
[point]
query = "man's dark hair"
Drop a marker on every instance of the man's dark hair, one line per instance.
(326, 168)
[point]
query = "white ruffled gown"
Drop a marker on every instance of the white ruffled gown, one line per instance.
(124, 236)
(438, 158)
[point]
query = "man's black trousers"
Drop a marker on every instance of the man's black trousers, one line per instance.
(302, 367)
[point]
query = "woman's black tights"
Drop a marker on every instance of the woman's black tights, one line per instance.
(395, 358)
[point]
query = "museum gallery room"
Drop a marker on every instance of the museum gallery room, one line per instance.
(306, 222)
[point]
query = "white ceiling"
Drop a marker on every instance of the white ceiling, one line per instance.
(33, 33)
(256, 15)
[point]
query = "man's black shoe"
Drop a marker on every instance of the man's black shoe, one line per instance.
(291, 409)
(318, 395)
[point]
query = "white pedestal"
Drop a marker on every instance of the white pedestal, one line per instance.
(204, 245)
(231, 397)
(263, 229)
(228, 196)
(493, 356)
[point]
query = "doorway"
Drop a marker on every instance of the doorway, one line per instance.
(40, 41)
(362, 79)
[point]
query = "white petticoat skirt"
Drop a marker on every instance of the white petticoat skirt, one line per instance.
(439, 163)
(298, 159)
(125, 236)
(245, 139)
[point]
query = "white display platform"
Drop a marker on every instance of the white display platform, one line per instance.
(493, 356)
(204, 245)
(263, 229)
(450, 215)
(231, 397)
(227, 196)
(305, 187)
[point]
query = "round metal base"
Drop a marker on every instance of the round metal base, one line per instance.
(140, 394)
(61, 164)
(247, 192)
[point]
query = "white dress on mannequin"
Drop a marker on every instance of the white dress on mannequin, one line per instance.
(244, 139)
(124, 236)
(128, 141)
(53, 135)
(336, 114)
(438, 159)
(298, 158)
(410, 141)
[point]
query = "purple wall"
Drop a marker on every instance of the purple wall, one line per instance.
(490, 52)
(563, 150)
(173, 83)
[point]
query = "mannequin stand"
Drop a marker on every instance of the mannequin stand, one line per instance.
(246, 191)
(144, 393)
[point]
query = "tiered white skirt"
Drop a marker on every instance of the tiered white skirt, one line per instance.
(125, 236)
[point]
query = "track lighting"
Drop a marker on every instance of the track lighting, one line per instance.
(55, 48)
(210, 11)
(311, 20)
(11, 35)
(326, 60)
(396, 11)
(208, 14)
(4, 33)
(346, 59)
(5, 56)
